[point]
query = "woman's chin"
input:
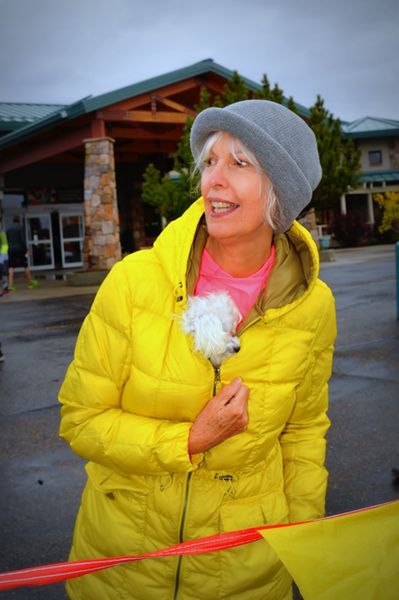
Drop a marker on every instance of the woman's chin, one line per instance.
(219, 230)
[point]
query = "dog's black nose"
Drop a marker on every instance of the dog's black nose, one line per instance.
(236, 348)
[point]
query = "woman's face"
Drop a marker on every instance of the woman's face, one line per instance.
(233, 193)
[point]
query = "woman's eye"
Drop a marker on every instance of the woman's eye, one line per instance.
(241, 163)
(209, 162)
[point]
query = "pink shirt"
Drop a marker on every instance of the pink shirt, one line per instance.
(243, 290)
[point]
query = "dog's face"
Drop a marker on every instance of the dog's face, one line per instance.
(232, 346)
(212, 321)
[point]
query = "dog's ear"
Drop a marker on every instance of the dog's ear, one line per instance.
(237, 316)
(187, 323)
(187, 319)
(209, 336)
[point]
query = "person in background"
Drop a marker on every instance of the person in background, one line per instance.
(18, 255)
(179, 448)
(3, 262)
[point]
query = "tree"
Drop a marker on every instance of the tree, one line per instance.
(389, 202)
(274, 94)
(339, 158)
(291, 105)
(235, 90)
(172, 195)
(265, 91)
(169, 195)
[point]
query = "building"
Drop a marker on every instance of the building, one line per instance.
(72, 174)
(378, 140)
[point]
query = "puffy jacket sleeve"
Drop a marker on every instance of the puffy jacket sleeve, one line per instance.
(92, 420)
(303, 438)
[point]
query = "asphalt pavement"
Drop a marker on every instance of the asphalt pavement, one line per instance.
(41, 479)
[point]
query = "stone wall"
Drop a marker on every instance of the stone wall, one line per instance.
(102, 242)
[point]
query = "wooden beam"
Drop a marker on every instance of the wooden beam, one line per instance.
(169, 90)
(178, 88)
(175, 105)
(44, 149)
(213, 86)
(98, 128)
(145, 147)
(141, 116)
(67, 158)
(133, 133)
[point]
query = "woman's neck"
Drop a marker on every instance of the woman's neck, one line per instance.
(239, 260)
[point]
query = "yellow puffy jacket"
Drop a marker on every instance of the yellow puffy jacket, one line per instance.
(132, 392)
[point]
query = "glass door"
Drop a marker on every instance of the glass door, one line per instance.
(71, 233)
(40, 241)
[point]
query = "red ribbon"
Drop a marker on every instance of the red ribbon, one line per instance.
(57, 572)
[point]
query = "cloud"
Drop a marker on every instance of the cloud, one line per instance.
(52, 51)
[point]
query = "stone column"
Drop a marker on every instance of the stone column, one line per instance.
(102, 246)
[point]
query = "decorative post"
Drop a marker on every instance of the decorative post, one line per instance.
(102, 247)
(343, 204)
(370, 209)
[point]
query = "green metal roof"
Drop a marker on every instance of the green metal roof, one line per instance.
(14, 115)
(371, 127)
(379, 176)
(199, 68)
(67, 112)
(90, 104)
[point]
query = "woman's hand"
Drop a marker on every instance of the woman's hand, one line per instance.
(225, 415)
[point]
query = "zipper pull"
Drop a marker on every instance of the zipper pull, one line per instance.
(216, 380)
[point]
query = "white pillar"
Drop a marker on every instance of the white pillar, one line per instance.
(343, 204)
(370, 209)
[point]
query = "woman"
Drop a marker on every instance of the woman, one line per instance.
(3, 263)
(18, 255)
(168, 461)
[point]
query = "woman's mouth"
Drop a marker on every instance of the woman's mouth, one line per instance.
(218, 207)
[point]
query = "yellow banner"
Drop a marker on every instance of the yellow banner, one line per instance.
(354, 556)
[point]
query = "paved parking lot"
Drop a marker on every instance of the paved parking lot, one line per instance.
(42, 479)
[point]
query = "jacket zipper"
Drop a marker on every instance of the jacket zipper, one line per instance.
(181, 533)
(216, 381)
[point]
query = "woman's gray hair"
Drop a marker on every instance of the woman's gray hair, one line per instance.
(272, 210)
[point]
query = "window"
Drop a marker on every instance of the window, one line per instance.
(13, 200)
(375, 158)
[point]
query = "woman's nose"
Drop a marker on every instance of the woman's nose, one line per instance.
(218, 176)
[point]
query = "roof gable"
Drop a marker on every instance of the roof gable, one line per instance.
(371, 127)
(90, 104)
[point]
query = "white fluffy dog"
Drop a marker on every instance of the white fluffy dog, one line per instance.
(212, 321)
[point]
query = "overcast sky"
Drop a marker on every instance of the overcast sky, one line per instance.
(59, 51)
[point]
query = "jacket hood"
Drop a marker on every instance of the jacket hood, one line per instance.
(173, 246)
(293, 276)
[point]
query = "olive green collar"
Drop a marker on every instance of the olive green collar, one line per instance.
(291, 275)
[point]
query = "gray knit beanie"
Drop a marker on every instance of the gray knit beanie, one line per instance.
(284, 145)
